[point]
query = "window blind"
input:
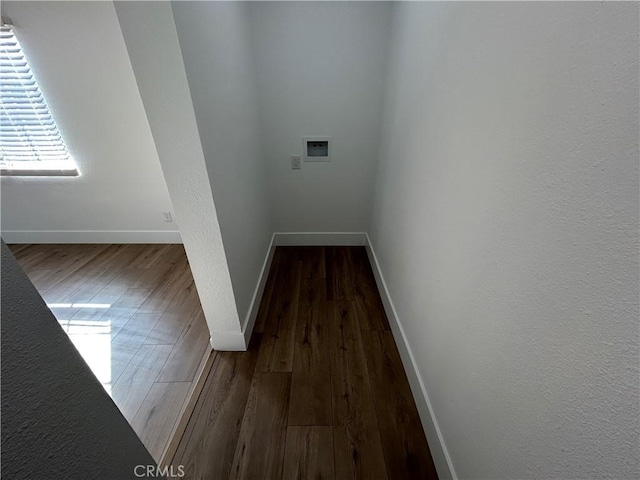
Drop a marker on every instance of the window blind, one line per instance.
(30, 143)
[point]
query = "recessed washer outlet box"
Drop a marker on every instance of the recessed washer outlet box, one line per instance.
(317, 149)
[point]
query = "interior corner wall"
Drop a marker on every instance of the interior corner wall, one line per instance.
(506, 225)
(78, 56)
(320, 69)
(214, 40)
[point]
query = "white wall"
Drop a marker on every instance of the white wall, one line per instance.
(506, 226)
(81, 63)
(152, 42)
(214, 39)
(320, 69)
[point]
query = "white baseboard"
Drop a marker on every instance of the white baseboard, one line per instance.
(250, 320)
(439, 452)
(320, 238)
(228, 341)
(91, 236)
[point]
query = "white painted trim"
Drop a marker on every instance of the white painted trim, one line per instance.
(250, 320)
(91, 236)
(439, 452)
(320, 238)
(228, 341)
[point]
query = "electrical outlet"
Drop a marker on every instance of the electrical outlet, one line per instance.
(295, 162)
(167, 216)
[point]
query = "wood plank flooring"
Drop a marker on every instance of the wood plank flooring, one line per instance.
(133, 313)
(320, 394)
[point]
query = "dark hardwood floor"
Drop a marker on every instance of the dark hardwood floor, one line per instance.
(321, 393)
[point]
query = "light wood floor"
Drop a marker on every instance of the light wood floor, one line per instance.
(321, 393)
(133, 313)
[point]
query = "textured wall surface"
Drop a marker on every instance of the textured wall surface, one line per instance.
(150, 35)
(57, 420)
(214, 40)
(506, 225)
(81, 63)
(320, 68)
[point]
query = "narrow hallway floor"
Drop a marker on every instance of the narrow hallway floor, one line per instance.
(321, 393)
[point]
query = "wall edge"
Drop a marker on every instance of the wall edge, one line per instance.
(439, 451)
(254, 306)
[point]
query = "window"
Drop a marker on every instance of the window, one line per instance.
(30, 144)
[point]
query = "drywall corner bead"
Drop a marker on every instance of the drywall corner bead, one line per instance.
(155, 53)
